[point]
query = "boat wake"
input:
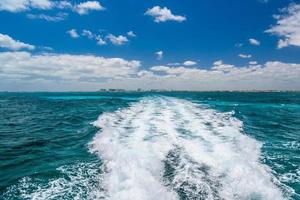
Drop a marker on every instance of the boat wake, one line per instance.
(162, 148)
(168, 148)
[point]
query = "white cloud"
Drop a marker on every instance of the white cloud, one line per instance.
(220, 66)
(9, 43)
(63, 4)
(282, 43)
(131, 34)
(14, 5)
(173, 70)
(174, 64)
(163, 14)
(100, 40)
(88, 72)
(52, 18)
(218, 62)
(160, 68)
(254, 42)
(287, 26)
(85, 7)
(270, 76)
(23, 5)
(73, 33)
(65, 66)
(253, 63)
(41, 4)
(87, 33)
(245, 55)
(117, 40)
(159, 55)
(189, 63)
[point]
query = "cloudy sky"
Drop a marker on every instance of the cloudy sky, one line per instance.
(52, 45)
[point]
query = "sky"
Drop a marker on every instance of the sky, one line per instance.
(51, 45)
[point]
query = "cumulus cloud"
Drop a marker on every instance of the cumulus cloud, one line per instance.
(9, 43)
(189, 63)
(163, 14)
(65, 66)
(88, 71)
(245, 55)
(117, 40)
(23, 5)
(220, 66)
(73, 33)
(159, 55)
(287, 26)
(254, 42)
(131, 34)
(85, 7)
(82, 8)
(271, 75)
(100, 40)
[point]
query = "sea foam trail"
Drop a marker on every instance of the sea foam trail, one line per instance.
(167, 148)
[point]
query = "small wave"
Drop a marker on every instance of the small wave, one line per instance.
(291, 177)
(293, 145)
(80, 181)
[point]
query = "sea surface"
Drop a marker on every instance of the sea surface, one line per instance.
(152, 146)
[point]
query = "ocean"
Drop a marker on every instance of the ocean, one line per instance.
(168, 145)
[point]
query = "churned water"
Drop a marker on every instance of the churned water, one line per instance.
(210, 145)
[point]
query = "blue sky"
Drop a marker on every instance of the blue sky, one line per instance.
(201, 32)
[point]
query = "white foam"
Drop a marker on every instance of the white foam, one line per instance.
(133, 161)
(79, 181)
(291, 177)
(207, 151)
(232, 157)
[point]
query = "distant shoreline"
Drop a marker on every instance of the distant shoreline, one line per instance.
(158, 91)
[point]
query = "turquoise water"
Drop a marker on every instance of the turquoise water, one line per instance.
(209, 145)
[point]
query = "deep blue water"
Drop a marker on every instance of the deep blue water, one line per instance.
(219, 145)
